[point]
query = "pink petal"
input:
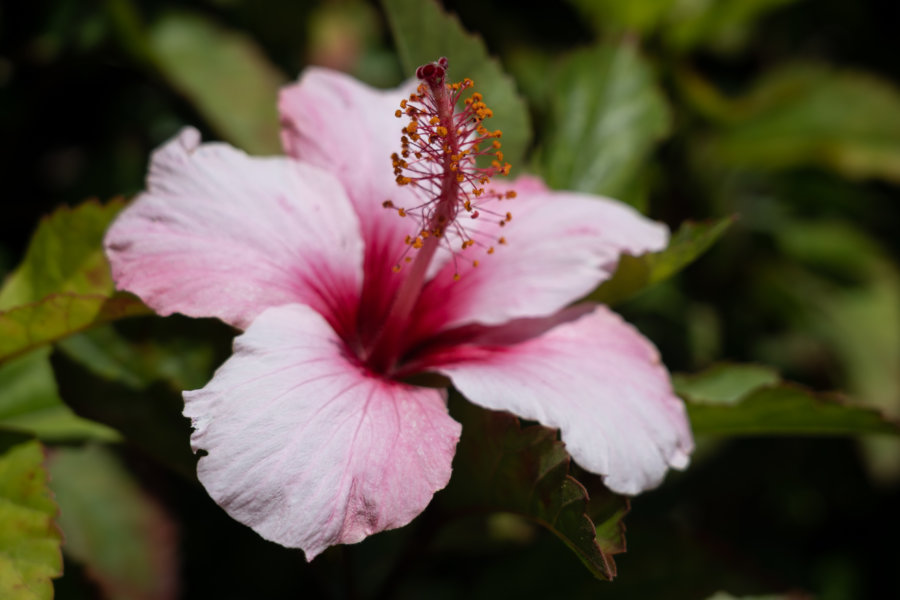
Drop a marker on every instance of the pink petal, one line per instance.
(307, 447)
(221, 234)
(592, 376)
(348, 128)
(560, 246)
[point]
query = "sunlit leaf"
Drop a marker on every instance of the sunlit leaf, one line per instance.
(423, 32)
(635, 273)
(501, 466)
(58, 315)
(607, 115)
(800, 115)
(123, 537)
(30, 402)
(744, 400)
(63, 284)
(65, 255)
(226, 77)
(29, 539)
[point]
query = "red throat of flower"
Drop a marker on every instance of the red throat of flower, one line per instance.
(442, 156)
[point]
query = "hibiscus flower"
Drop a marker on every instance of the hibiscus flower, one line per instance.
(312, 432)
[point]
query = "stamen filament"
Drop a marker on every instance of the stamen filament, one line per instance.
(439, 152)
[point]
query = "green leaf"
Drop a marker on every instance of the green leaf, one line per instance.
(724, 25)
(848, 299)
(643, 16)
(149, 418)
(635, 273)
(423, 32)
(26, 327)
(224, 75)
(727, 596)
(500, 466)
(744, 400)
(607, 115)
(30, 403)
(123, 537)
(65, 255)
(185, 362)
(63, 285)
(798, 116)
(724, 383)
(29, 539)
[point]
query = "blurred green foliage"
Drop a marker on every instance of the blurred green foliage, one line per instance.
(29, 538)
(781, 112)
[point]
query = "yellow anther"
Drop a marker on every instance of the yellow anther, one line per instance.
(434, 121)
(496, 144)
(403, 103)
(388, 204)
(468, 82)
(401, 211)
(497, 133)
(418, 243)
(456, 277)
(407, 259)
(468, 205)
(477, 97)
(502, 240)
(398, 113)
(509, 216)
(396, 268)
(511, 194)
(475, 263)
(441, 131)
(499, 155)
(490, 250)
(460, 178)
